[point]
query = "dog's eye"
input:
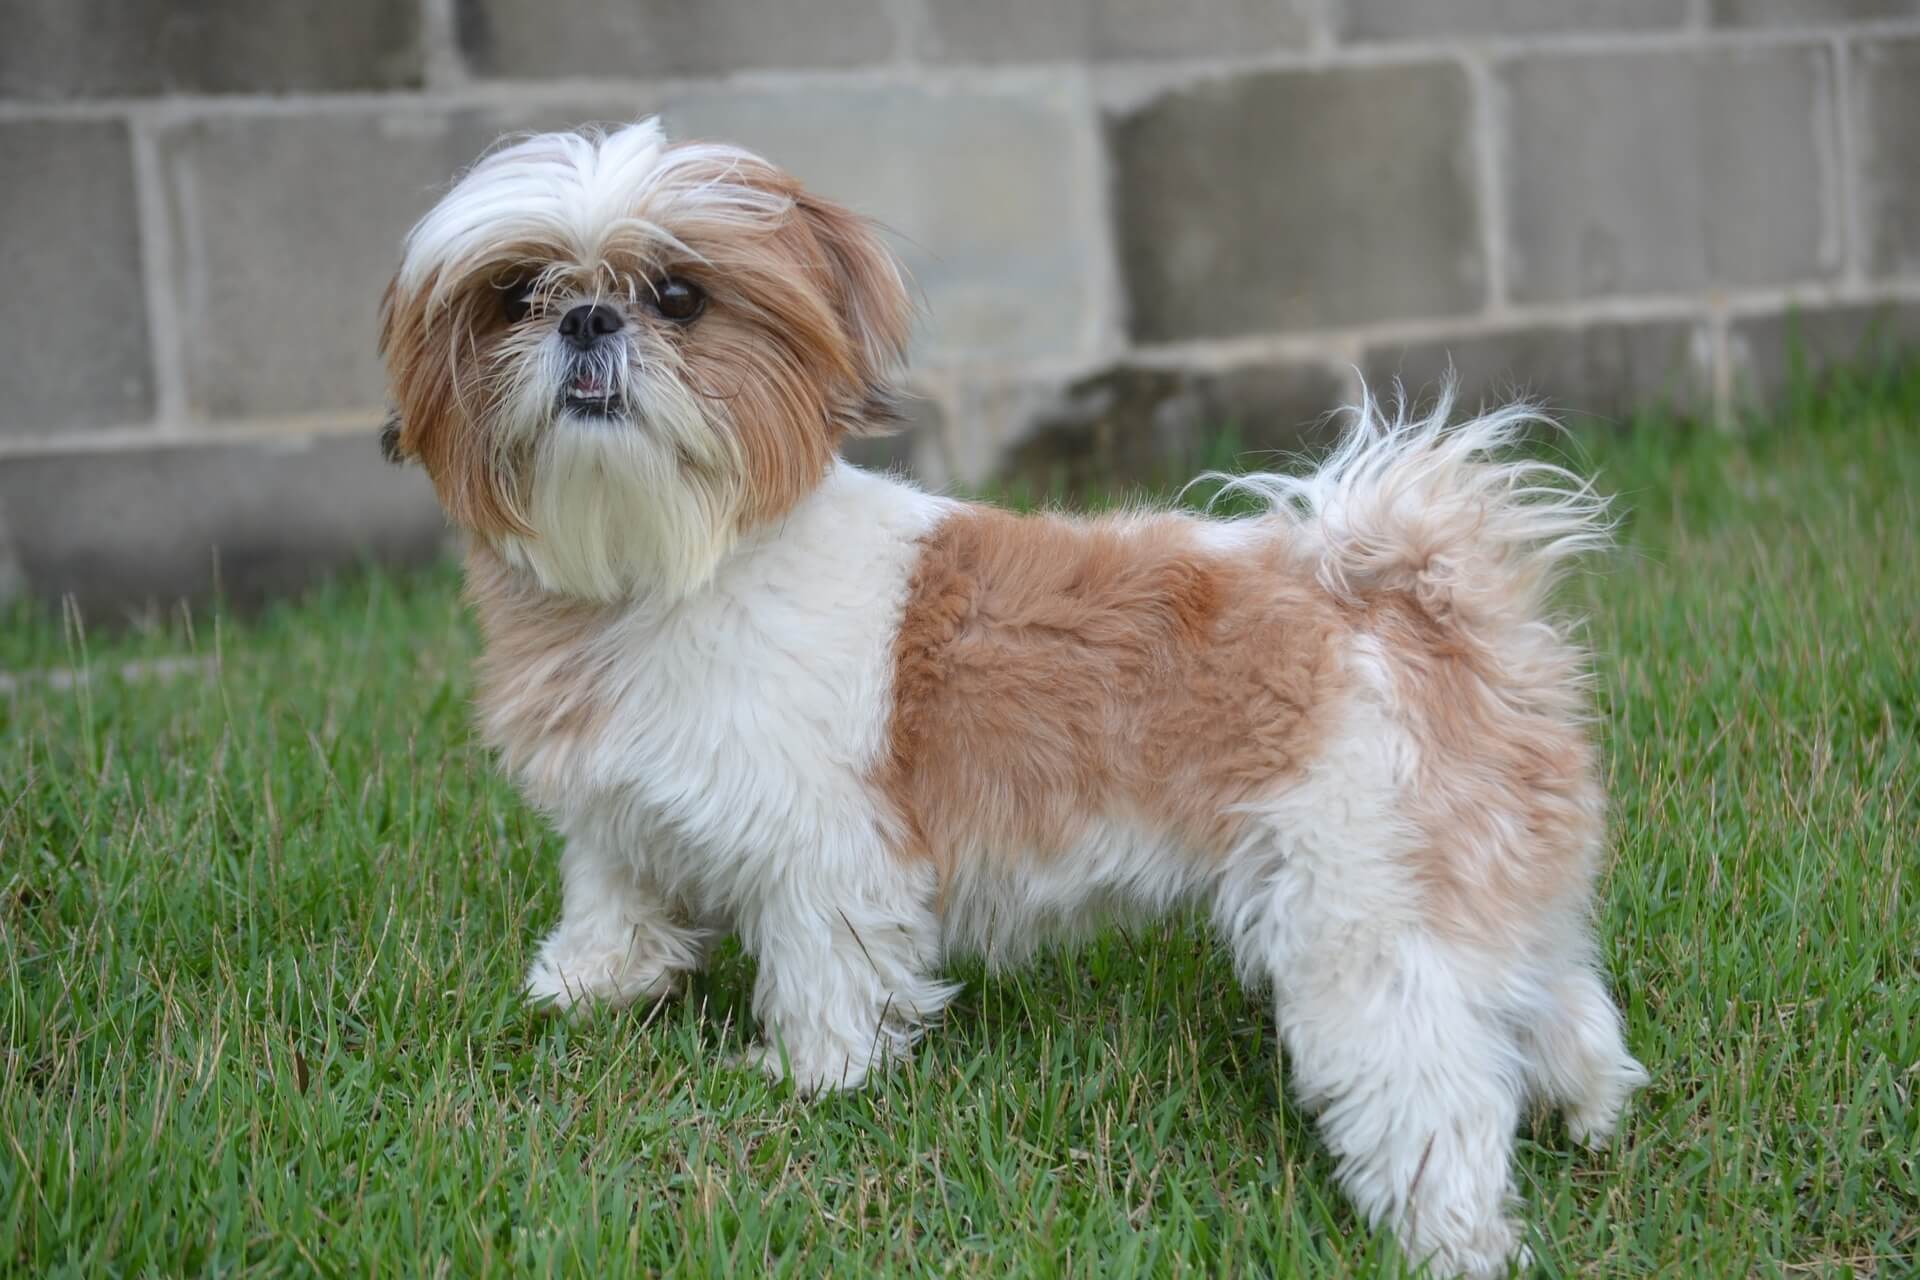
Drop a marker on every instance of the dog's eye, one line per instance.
(516, 297)
(679, 300)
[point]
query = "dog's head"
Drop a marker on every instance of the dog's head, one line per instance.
(614, 354)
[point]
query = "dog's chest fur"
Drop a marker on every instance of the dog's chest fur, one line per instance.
(738, 724)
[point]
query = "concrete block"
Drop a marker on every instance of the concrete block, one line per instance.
(286, 230)
(1806, 13)
(126, 529)
(1362, 20)
(983, 189)
(1665, 172)
(1605, 371)
(635, 38)
(1297, 200)
(58, 49)
(73, 317)
(1129, 424)
(1886, 91)
(1801, 348)
(1097, 30)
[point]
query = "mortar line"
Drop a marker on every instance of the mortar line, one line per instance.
(1105, 332)
(442, 63)
(1719, 332)
(166, 357)
(1488, 120)
(1848, 161)
(946, 78)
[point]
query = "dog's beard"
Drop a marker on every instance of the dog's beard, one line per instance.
(628, 484)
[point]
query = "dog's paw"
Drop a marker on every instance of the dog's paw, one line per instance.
(1493, 1249)
(811, 1076)
(565, 981)
(1592, 1123)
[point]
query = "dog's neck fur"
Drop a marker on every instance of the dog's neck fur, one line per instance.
(555, 665)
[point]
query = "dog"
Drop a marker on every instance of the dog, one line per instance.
(867, 728)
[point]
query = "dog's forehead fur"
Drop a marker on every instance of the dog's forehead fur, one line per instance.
(591, 199)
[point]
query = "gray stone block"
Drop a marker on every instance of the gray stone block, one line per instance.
(1133, 425)
(1886, 90)
(286, 230)
(1606, 371)
(1361, 20)
(1664, 172)
(1800, 350)
(1806, 13)
(1023, 31)
(982, 189)
(73, 319)
(634, 38)
(124, 529)
(1296, 200)
(108, 48)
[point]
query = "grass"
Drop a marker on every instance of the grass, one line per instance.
(262, 933)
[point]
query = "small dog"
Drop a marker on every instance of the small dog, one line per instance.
(867, 728)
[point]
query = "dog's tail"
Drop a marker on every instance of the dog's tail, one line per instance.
(1453, 517)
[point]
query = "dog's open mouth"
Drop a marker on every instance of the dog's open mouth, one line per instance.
(591, 394)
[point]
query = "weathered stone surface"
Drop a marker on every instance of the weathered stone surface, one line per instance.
(73, 318)
(1298, 199)
(1130, 424)
(1806, 13)
(57, 49)
(1886, 87)
(286, 232)
(123, 528)
(1420, 19)
(1604, 370)
(632, 38)
(1663, 172)
(1800, 349)
(1023, 31)
(982, 189)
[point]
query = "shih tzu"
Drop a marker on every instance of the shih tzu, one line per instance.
(866, 728)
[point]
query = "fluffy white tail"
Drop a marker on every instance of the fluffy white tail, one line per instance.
(1452, 516)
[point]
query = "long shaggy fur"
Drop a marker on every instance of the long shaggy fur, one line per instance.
(1449, 513)
(867, 729)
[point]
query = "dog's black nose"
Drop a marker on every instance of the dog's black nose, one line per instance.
(588, 323)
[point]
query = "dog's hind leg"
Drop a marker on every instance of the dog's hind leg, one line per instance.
(1415, 1087)
(1398, 1041)
(1577, 1056)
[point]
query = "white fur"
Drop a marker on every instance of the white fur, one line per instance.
(732, 786)
(732, 792)
(748, 682)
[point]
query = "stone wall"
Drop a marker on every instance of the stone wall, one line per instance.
(1133, 223)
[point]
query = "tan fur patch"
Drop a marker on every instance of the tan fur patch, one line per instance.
(1048, 672)
(542, 691)
(437, 374)
(1508, 796)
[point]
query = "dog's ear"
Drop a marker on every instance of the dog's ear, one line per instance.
(428, 422)
(870, 296)
(390, 440)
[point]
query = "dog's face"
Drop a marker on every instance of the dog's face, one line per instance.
(613, 354)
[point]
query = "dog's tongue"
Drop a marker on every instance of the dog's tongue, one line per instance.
(589, 385)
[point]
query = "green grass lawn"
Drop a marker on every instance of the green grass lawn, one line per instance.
(262, 935)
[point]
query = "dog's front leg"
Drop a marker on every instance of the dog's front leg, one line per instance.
(618, 940)
(846, 977)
